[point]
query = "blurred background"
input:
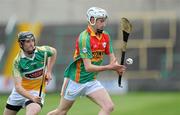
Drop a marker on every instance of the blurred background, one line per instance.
(153, 43)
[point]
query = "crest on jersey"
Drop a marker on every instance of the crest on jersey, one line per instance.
(84, 50)
(104, 44)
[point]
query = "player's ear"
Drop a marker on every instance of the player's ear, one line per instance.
(92, 20)
(20, 45)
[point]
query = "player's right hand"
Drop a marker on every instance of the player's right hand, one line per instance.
(36, 99)
(48, 77)
(114, 65)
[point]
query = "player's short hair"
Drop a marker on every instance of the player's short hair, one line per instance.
(25, 35)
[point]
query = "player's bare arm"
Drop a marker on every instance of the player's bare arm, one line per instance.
(112, 60)
(51, 61)
(111, 57)
(94, 68)
(23, 92)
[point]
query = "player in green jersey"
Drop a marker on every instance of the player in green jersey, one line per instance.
(28, 70)
(80, 75)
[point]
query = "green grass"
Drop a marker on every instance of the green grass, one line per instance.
(128, 104)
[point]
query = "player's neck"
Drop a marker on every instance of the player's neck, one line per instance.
(98, 35)
(28, 55)
(94, 32)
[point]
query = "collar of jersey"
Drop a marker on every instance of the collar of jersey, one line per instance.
(24, 56)
(92, 33)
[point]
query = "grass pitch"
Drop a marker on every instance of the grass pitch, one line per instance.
(141, 103)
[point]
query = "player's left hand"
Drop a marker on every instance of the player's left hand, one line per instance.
(48, 77)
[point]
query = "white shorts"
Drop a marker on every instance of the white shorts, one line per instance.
(71, 89)
(16, 99)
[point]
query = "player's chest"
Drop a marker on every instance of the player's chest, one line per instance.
(98, 45)
(27, 65)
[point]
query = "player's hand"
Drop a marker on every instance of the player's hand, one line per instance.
(114, 65)
(36, 99)
(120, 71)
(48, 77)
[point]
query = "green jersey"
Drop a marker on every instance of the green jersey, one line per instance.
(31, 69)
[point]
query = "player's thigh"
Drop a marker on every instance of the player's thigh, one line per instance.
(9, 112)
(33, 109)
(101, 97)
(65, 104)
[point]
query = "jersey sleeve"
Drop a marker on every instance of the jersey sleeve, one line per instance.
(16, 70)
(47, 49)
(84, 45)
(109, 48)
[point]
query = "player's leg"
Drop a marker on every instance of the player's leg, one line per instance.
(101, 97)
(67, 98)
(63, 107)
(11, 110)
(14, 103)
(104, 101)
(32, 108)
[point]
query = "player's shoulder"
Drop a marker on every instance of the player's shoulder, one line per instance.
(83, 35)
(43, 48)
(17, 58)
(106, 33)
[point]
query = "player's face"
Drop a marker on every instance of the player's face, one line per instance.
(100, 23)
(29, 45)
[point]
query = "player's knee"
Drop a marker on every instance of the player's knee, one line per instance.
(33, 111)
(109, 107)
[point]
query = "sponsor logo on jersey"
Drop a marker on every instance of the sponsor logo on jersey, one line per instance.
(34, 74)
(97, 54)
